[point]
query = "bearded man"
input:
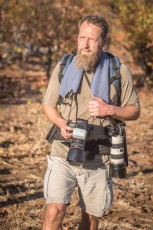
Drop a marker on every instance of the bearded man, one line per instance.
(94, 101)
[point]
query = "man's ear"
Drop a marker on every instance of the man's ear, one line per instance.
(104, 42)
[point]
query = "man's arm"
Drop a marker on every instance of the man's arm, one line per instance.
(98, 107)
(54, 116)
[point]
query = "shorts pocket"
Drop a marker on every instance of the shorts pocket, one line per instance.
(109, 194)
(47, 177)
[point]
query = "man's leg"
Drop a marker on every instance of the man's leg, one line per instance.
(59, 184)
(54, 215)
(88, 222)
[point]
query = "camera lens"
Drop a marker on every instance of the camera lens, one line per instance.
(118, 166)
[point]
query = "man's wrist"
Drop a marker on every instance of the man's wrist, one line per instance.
(61, 122)
(111, 110)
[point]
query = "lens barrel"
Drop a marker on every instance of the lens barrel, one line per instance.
(118, 165)
(76, 153)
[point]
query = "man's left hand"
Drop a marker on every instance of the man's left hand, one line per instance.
(99, 108)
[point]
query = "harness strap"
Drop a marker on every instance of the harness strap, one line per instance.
(117, 78)
(87, 79)
(62, 66)
(65, 62)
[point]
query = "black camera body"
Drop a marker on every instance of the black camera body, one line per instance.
(76, 152)
(70, 124)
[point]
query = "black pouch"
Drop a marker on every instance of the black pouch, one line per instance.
(51, 134)
(96, 132)
(99, 147)
(54, 134)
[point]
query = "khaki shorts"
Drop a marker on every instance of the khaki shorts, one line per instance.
(94, 185)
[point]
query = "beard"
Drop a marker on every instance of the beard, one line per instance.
(87, 62)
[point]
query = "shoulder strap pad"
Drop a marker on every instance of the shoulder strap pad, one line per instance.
(65, 62)
(62, 65)
(115, 76)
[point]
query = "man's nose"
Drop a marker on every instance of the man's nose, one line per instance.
(86, 43)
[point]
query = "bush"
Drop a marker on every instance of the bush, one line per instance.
(137, 19)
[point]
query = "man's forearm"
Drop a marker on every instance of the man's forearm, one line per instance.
(125, 113)
(99, 108)
(53, 115)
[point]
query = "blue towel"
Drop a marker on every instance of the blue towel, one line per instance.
(99, 84)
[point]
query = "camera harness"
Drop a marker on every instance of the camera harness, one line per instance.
(115, 78)
(117, 127)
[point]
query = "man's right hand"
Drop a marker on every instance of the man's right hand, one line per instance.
(66, 131)
(54, 116)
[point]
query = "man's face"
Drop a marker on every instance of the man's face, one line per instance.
(90, 44)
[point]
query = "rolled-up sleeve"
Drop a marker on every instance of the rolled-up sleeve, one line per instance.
(129, 95)
(52, 93)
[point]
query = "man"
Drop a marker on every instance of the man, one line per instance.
(92, 177)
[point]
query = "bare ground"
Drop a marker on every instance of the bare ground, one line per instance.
(23, 152)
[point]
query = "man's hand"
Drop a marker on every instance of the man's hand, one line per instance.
(99, 108)
(66, 131)
(54, 116)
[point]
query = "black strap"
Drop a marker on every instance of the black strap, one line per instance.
(76, 102)
(72, 95)
(116, 68)
(62, 65)
(117, 74)
(87, 79)
(114, 78)
(118, 78)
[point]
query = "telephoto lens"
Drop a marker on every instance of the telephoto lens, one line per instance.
(118, 165)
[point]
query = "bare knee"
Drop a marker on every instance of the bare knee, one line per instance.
(53, 211)
(54, 216)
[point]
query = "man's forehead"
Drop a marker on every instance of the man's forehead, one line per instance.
(89, 28)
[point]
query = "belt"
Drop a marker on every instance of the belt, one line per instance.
(99, 147)
(66, 143)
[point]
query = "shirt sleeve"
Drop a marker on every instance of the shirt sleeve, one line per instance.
(129, 95)
(52, 93)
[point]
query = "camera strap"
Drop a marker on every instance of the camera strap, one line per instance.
(87, 79)
(73, 96)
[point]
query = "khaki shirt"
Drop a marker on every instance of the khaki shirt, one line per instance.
(129, 97)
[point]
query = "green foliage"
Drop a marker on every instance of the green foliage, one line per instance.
(53, 23)
(41, 22)
(137, 18)
(44, 22)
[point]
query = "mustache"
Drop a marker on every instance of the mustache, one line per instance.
(86, 50)
(86, 61)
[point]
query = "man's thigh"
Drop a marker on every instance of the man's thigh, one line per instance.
(59, 181)
(95, 190)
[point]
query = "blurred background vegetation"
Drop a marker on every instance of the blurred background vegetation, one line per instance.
(34, 35)
(50, 27)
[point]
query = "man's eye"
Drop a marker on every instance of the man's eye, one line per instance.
(92, 39)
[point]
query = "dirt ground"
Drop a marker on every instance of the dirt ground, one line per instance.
(23, 152)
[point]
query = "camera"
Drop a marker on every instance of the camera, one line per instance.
(118, 165)
(76, 152)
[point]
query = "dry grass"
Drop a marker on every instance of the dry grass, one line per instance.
(23, 152)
